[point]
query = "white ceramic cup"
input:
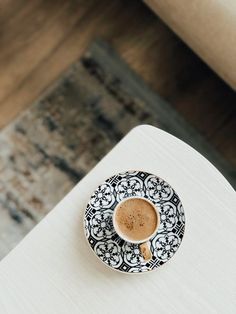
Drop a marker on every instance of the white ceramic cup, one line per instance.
(143, 243)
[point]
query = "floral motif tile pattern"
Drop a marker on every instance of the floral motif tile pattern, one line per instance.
(100, 233)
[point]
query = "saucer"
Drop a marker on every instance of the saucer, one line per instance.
(104, 241)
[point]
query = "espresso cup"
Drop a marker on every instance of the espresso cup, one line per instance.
(136, 220)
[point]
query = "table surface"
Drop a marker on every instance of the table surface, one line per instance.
(53, 270)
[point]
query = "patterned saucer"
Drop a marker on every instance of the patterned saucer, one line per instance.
(104, 241)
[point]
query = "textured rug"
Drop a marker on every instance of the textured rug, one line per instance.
(48, 149)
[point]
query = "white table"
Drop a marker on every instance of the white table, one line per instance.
(53, 270)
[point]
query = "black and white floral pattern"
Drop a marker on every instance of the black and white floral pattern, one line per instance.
(128, 188)
(165, 245)
(168, 216)
(158, 189)
(103, 196)
(104, 241)
(101, 225)
(109, 252)
(132, 254)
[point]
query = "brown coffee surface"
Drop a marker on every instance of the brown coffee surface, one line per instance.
(136, 219)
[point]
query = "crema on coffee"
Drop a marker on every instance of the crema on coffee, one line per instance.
(136, 219)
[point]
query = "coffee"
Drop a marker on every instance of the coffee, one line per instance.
(136, 219)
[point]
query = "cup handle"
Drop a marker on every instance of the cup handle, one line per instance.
(145, 251)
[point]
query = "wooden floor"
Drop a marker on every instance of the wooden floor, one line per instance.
(39, 39)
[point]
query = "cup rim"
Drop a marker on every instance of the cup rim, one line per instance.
(117, 229)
